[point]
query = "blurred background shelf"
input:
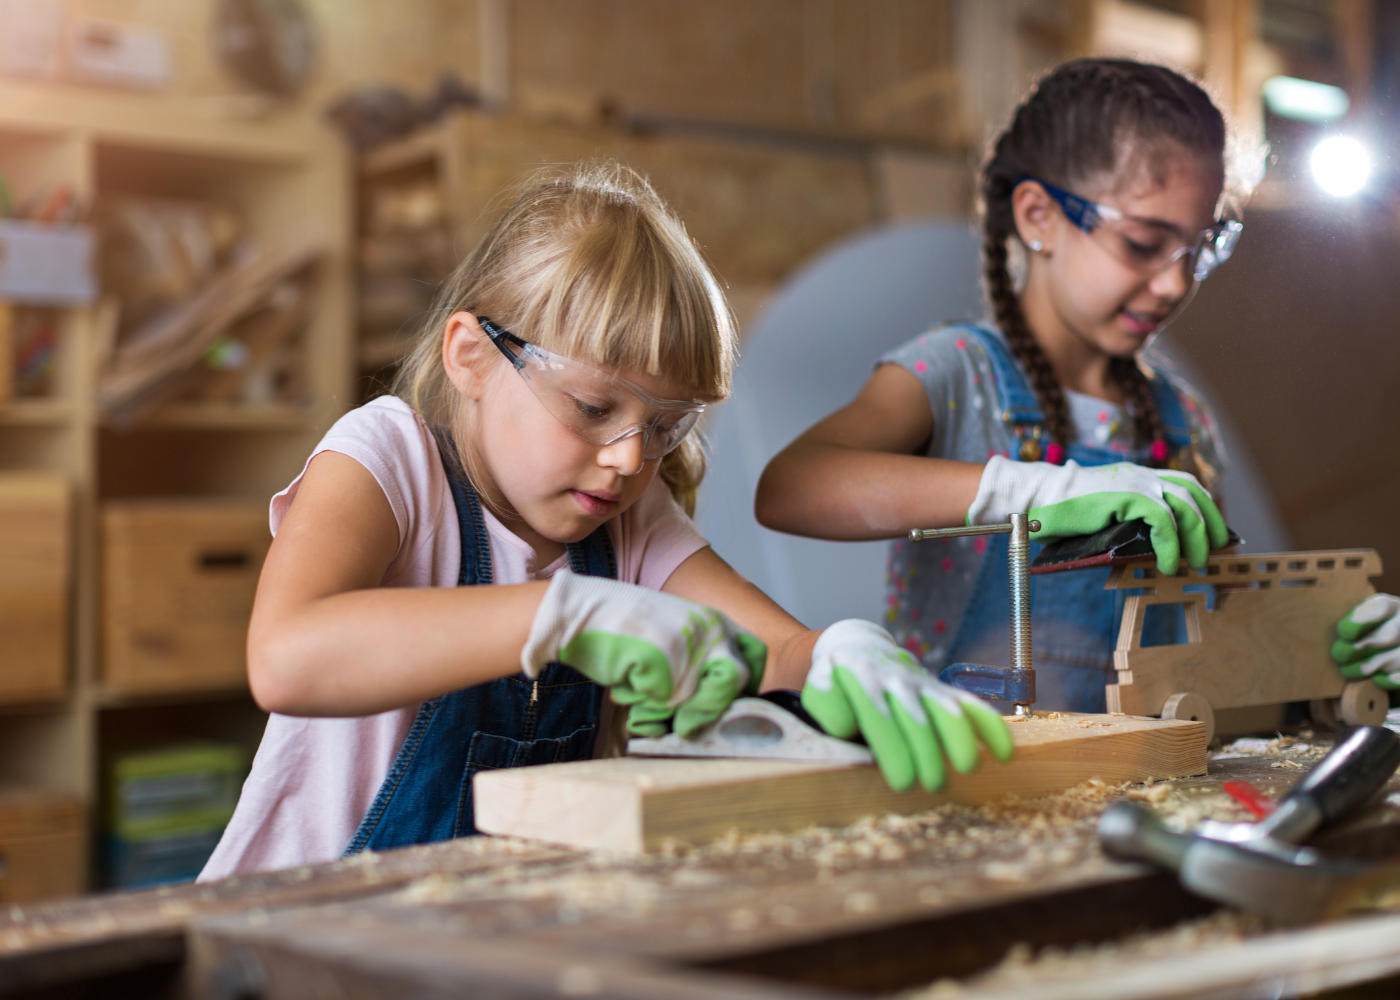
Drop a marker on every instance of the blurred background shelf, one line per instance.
(287, 186)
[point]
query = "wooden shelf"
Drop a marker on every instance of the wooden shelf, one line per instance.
(230, 416)
(288, 180)
(36, 413)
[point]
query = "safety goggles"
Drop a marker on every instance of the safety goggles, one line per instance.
(1146, 245)
(598, 407)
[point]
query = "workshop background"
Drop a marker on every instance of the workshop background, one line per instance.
(220, 220)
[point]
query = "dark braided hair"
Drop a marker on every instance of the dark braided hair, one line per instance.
(1081, 122)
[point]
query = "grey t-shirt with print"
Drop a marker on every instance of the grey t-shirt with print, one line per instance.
(928, 584)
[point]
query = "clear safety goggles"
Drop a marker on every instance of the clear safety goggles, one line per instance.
(1146, 245)
(598, 407)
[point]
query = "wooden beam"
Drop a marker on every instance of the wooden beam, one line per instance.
(636, 804)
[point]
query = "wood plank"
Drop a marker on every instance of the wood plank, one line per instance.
(635, 804)
(1258, 647)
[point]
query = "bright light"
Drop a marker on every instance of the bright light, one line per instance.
(1289, 97)
(1341, 165)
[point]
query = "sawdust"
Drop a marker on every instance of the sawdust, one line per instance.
(1022, 965)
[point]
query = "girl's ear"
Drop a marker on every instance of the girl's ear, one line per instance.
(464, 352)
(1034, 211)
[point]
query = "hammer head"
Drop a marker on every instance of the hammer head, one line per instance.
(1284, 883)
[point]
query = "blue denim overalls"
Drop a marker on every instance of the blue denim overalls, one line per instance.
(511, 722)
(1074, 620)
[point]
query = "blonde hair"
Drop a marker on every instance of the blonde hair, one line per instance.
(589, 262)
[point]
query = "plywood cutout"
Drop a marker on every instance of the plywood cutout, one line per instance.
(635, 804)
(1266, 642)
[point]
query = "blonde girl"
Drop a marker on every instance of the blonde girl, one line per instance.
(466, 567)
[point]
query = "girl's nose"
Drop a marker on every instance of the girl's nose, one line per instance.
(1174, 282)
(625, 456)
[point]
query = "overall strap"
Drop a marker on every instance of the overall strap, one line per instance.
(476, 541)
(1020, 409)
(1174, 423)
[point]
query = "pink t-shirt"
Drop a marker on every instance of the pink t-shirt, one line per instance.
(313, 779)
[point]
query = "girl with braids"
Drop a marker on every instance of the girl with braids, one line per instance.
(1106, 184)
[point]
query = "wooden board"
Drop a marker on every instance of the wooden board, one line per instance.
(178, 584)
(638, 804)
(34, 585)
(1260, 646)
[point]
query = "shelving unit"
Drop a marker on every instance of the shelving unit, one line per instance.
(289, 180)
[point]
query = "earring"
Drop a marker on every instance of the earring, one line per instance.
(1037, 246)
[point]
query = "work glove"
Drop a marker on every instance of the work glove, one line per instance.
(661, 655)
(1070, 500)
(1368, 643)
(861, 681)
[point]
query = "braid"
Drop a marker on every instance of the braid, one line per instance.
(1088, 118)
(1006, 306)
(1141, 400)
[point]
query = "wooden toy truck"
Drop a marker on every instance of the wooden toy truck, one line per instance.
(1267, 640)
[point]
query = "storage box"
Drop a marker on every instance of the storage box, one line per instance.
(178, 579)
(46, 265)
(34, 585)
(166, 809)
(42, 847)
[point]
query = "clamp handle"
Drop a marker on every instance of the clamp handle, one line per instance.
(1019, 528)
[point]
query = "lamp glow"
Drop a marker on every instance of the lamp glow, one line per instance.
(1305, 100)
(1341, 166)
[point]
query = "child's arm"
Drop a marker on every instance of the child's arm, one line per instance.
(326, 639)
(707, 579)
(859, 474)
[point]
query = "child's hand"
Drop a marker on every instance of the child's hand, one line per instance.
(1072, 500)
(660, 654)
(1369, 642)
(861, 681)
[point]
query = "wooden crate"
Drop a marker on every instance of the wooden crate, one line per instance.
(42, 847)
(178, 582)
(34, 585)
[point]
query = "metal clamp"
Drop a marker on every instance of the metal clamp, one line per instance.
(1018, 556)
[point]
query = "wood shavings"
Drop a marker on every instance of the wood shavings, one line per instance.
(1023, 966)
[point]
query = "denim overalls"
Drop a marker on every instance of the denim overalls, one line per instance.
(1074, 620)
(511, 722)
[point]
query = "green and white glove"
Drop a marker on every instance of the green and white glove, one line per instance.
(1368, 643)
(861, 681)
(1070, 500)
(661, 655)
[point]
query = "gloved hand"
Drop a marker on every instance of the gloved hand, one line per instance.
(659, 654)
(1369, 642)
(861, 681)
(1071, 499)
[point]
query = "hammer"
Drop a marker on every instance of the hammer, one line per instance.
(1262, 870)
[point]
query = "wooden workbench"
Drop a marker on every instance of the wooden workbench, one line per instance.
(892, 904)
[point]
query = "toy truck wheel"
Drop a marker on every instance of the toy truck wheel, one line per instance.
(1190, 707)
(1363, 704)
(1325, 712)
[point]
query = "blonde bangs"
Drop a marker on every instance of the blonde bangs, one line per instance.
(589, 262)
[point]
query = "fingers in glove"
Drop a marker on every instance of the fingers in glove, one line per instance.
(1387, 682)
(990, 726)
(954, 733)
(827, 703)
(1387, 661)
(1164, 538)
(719, 685)
(1374, 623)
(881, 732)
(1217, 531)
(755, 652)
(908, 712)
(1190, 530)
(649, 718)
